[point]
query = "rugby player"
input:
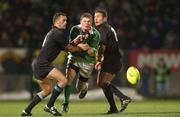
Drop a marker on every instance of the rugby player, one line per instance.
(109, 58)
(83, 62)
(54, 42)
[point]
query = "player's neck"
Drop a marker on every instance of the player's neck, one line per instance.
(57, 26)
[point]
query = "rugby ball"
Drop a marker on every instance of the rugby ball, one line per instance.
(133, 75)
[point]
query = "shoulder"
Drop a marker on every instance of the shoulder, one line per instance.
(96, 32)
(57, 33)
(104, 28)
(107, 27)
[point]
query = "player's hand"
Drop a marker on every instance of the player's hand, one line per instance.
(85, 36)
(98, 65)
(80, 38)
(84, 47)
(77, 40)
(91, 52)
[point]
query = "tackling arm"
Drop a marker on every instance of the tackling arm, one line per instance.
(79, 47)
(77, 40)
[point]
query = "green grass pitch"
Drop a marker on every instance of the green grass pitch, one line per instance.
(82, 108)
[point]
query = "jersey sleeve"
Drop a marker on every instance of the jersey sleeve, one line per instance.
(74, 32)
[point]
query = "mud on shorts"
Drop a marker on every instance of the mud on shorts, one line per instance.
(85, 68)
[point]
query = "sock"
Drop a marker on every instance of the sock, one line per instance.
(67, 92)
(33, 103)
(117, 92)
(55, 93)
(109, 96)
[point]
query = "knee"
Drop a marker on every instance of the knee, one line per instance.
(82, 87)
(62, 82)
(65, 81)
(82, 83)
(46, 91)
(102, 84)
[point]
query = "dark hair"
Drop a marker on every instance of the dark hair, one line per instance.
(102, 11)
(57, 15)
(88, 15)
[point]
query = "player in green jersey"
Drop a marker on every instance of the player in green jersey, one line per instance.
(81, 63)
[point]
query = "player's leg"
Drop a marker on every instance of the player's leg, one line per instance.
(85, 71)
(58, 88)
(34, 86)
(125, 100)
(70, 75)
(82, 86)
(103, 82)
(107, 81)
(46, 86)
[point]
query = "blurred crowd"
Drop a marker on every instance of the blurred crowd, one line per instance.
(139, 23)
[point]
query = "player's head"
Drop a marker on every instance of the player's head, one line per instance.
(86, 21)
(60, 20)
(100, 17)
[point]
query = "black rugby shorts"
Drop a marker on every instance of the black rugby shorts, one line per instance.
(112, 66)
(41, 68)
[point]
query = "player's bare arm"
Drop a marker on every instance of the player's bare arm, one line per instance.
(84, 47)
(74, 46)
(100, 56)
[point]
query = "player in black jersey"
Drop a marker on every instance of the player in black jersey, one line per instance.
(109, 58)
(54, 42)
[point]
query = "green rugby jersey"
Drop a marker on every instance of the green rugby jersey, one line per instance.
(92, 41)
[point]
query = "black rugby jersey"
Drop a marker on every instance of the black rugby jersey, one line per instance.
(54, 42)
(109, 39)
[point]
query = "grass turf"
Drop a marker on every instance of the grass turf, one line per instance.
(151, 108)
